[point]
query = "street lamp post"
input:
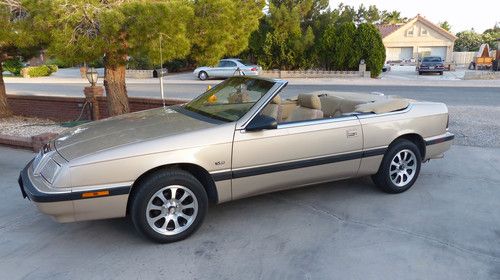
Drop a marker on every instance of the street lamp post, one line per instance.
(93, 92)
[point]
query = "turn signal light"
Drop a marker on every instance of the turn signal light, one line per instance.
(95, 194)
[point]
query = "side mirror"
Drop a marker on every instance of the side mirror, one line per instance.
(261, 122)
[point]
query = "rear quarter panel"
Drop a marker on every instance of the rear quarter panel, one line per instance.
(426, 119)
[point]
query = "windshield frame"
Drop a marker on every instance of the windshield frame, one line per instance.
(222, 84)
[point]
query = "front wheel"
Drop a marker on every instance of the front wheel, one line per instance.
(399, 168)
(169, 206)
(203, 75)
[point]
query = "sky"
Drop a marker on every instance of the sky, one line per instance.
(462, 15)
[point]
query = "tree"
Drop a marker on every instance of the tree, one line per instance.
(346, 55)
(445, 25)
(371, 48)
(327, 45)
(291, 33)
(85, 31)
(18, 39)
(393, 17)
(468, 41)
(222, 27)
(491, 35)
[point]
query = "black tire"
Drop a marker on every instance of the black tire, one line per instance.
(203, 75)
(383, 178)
(153, 184)
(420, 72)
(441, 73)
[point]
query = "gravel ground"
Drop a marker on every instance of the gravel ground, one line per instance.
(475, 125)
(27, 127)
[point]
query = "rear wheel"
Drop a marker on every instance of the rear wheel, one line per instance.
(420, 72)
(399, 168)
(169, 206)
(441, 73)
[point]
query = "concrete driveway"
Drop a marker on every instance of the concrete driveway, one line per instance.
(446, 227)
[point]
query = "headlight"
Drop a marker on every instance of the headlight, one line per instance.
(49, 170)
(44, 165)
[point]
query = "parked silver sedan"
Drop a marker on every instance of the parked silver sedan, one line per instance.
(162, 167)
(227, 68)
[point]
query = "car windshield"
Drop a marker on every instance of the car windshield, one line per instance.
(432, 59)
(231, 99)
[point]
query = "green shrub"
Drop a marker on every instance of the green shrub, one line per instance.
(368, 42)
(36, 71)
(60, 63)
(53, 68)
(14, 66)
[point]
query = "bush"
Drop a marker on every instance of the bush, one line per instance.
(369, 43)
(53, 68)
(59, 63)
(14, 66)
(38, 71)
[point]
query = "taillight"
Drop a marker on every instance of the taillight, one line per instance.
(253, 69)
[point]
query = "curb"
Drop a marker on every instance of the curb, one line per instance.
(34, 143)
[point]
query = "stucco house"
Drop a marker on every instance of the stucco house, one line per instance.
(417, 38)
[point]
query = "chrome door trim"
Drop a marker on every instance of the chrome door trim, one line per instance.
(373, 115)
(316, 122)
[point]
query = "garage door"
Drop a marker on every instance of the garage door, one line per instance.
(399, 53)
(432, 51)
(439, 51)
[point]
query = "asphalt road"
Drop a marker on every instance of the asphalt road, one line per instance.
(484, 96)
(446, 227)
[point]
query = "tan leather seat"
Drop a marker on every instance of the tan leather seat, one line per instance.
(273, 109)
(309, 108)
(287, 108)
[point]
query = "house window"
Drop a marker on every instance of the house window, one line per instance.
(409, 32)
(424, 32)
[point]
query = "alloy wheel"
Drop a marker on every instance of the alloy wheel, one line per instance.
(403, 168)
(172, 210)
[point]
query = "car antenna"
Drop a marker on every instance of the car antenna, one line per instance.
(160, 75)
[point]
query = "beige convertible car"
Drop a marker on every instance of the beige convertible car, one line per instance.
(163, 167)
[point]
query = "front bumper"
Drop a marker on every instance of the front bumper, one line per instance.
(67, 205)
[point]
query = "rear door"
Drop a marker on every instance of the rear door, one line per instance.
(295, 154)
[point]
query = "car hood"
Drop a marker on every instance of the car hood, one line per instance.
(126, 129)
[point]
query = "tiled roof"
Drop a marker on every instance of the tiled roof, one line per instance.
(386, 29)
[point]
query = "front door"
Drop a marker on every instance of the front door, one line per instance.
(295, 154)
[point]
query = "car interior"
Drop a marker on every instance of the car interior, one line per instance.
(328, 104)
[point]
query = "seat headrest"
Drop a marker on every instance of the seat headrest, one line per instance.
(276, 100)
(309, 101)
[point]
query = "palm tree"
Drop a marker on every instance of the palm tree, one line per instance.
(393, 17)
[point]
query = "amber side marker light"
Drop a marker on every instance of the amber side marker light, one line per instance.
(95, 194)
